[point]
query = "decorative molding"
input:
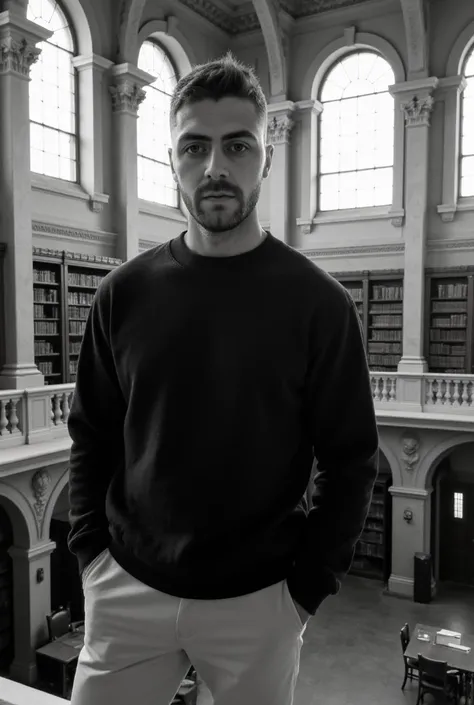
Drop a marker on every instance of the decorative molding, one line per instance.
(40, 484)
(147, 244)
(126, 96)
(354, 215)
(64, 231)
(356, 250)
(17, 56)
(417, 111)
(447, 245)
(410, 456)
(279, 129)
(77, 256)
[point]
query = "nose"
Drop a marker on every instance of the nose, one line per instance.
(216, 168)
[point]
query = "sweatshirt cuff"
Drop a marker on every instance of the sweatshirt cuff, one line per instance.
(311, 596)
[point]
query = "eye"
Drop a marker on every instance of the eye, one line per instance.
(241, 147)
(193, 148)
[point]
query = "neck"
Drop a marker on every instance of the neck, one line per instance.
(245, 237)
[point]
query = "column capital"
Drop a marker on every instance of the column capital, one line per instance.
(127, 88)
(18, 39)
(416, 100)
(280, 123)
(92, 61)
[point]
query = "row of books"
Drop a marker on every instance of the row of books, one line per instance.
(46, 311)
(388, 293)
(452, 291)
(44, 347)
(384, 348)
(457, 320)
(77, 327)
(450, 336)
(448, 306)
(80, 279)
(45, 276)
(381, 321)
(384, 360)
(80, 297)
(78, 312)
(386, 335)
(452, 362)
(442, 349)
(46, 328)
(47, 296)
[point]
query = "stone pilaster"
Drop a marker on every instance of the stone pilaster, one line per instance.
(90, 71)
(18, 51)
(450, 91)
(32, 580)
(415, 99)
(279, 129)
(411, 530)
(308, 114)
(127, 94)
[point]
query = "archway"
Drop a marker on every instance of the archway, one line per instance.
(452, 516)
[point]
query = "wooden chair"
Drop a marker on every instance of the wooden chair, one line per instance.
(59, 623)
(435, 678)
(411, 664)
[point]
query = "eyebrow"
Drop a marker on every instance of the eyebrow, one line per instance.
(238, 134)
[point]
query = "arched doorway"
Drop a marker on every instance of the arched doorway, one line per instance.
(452, 537)
(7, 650)
(66, 588)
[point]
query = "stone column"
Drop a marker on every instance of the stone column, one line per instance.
(18, 51)
(415, 99)
(127, 94)
(90, 71)
(279, 129)
(32, 602)
(408, 537)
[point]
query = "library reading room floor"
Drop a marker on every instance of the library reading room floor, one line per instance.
(352, 653)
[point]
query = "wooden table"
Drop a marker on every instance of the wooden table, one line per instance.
(456, 659)
(64, 651)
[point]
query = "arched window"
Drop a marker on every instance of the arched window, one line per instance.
(53, 120)
(467, 131)
(357, 133)
(155, 181)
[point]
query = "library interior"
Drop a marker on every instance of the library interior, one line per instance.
(371, 118)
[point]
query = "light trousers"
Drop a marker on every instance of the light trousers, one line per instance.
(140, 642)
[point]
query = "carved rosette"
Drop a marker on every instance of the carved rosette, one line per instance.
(418, 110)
(126, 97)
(40, 484)
(17, 56)
(279, 129)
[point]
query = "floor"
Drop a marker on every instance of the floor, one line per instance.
(352, 652)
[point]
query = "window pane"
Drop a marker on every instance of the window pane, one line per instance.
(357, 133)
(458, 505)
(52, 93)
(155, 182)
(467, 186)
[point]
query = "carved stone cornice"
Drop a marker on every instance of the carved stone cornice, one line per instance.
(355, 250)
(76, 256)
(70, 233)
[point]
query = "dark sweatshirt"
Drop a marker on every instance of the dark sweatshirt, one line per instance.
(205, 387)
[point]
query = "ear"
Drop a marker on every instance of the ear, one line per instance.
(268, 160)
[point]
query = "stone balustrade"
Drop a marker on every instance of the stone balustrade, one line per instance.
(40, 414)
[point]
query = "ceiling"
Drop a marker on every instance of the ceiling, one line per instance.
(238, 16)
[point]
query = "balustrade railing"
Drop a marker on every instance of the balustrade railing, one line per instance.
(37, 415)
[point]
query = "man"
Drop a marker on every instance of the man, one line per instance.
(213, 369)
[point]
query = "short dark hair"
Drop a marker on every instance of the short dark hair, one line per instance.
(218, 79)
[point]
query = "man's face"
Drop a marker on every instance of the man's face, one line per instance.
(219, 159)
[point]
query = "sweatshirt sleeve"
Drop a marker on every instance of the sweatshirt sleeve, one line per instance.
(95, 425)
(341, 420)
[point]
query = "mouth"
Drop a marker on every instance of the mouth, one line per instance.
(213, 196)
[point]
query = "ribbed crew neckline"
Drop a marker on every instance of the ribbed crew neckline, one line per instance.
(181, 253)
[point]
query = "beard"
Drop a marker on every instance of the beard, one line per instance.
(217, 218)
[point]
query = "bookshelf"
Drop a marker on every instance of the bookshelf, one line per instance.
(449, 325)
(64, 284)
(379, 300)
(372, 557)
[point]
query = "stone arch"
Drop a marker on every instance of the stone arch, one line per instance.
(87, 43)
(392, 461)
(461, 48)
(267, 14)
(338, 48)
(130, 18)
(175, 43)
(57, 489)
(436, 453)
(21, 515)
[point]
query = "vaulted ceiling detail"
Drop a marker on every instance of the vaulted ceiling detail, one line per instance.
(237, 16)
